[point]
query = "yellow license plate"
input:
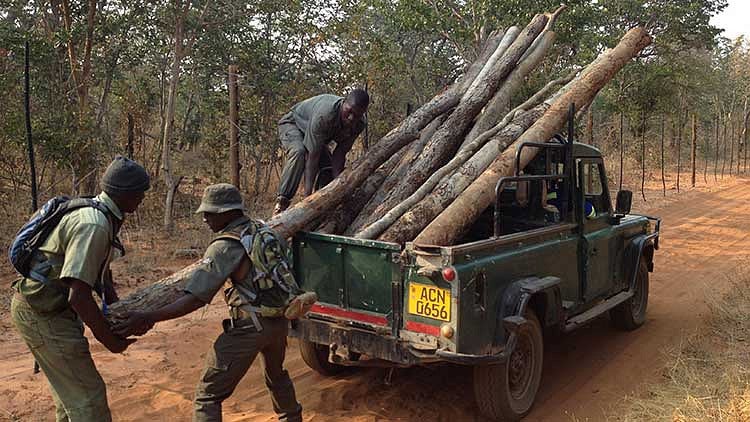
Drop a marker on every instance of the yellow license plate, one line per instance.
(430, 301)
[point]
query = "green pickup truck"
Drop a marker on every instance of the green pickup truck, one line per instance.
(530, 266)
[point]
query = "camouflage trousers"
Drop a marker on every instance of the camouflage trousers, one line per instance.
(229, 360)
(57, 343)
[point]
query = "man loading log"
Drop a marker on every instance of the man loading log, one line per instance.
(307, 130)
(262, 297)
(54, 299)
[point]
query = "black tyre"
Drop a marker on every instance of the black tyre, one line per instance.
(316, 357)
(631, 314)
(506, 391)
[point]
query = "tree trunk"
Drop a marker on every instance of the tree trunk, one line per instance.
(663, 180)
(234, 145)
(166, 151)
(731, 147)
(724, 140)
(706, 155)
(27, 120)
(131, 135)
(643, 155)
(680, 124)
(391, 179)
(744, 131)
(459, 216)
(716, 155)
(448, 137)
(161, 293)
(693, 150)
(497, 107)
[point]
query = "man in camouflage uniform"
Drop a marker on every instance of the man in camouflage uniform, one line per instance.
(257, 306)
(305, 133)
(50, 308)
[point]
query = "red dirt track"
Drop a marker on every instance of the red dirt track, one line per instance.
(705, 239)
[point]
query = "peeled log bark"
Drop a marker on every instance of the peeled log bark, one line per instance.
(498, 105)
(418, 216)
(390, 180)
(451, 133)
(163, 292)
(458, 217)
(497, 41)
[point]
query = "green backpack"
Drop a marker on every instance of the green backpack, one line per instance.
(271, 264)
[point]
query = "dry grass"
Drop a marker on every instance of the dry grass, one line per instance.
(707, 377)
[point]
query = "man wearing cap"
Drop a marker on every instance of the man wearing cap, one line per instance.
(305, 133)
(49, 314)
(257, 304)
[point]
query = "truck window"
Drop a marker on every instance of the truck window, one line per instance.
(593, 180)
(593, 186)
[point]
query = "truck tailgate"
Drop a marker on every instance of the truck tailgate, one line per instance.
(355, 279)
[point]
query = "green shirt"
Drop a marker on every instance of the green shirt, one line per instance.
(319, 118)
(221, 258)
(79, 247)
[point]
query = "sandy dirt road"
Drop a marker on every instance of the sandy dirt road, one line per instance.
(705, 239)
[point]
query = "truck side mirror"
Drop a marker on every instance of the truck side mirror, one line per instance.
(624, 201)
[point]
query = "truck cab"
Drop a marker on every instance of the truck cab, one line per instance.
(550, 255)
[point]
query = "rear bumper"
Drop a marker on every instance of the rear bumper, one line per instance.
(381, 346)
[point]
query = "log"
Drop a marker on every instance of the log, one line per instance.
(390, 180)
(161, 293)
(498, 41)
(376, 228)
(451, 133)
(458, 216)
(418, 216)
(498, 105)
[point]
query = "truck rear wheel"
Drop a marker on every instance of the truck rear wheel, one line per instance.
(631, 314)
(506, 391)
(316, 357)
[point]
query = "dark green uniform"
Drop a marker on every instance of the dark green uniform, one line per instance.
(309, 126)
(79, 247)
(244, 335)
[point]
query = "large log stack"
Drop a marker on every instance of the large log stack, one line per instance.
(432, 175)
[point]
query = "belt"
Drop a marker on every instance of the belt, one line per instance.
(243, 316)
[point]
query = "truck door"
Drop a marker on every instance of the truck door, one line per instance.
(597, 230)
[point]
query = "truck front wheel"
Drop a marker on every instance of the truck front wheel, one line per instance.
(506, 391)
(631, 314)
(316, 357)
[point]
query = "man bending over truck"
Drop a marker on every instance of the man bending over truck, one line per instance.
(305, 133)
